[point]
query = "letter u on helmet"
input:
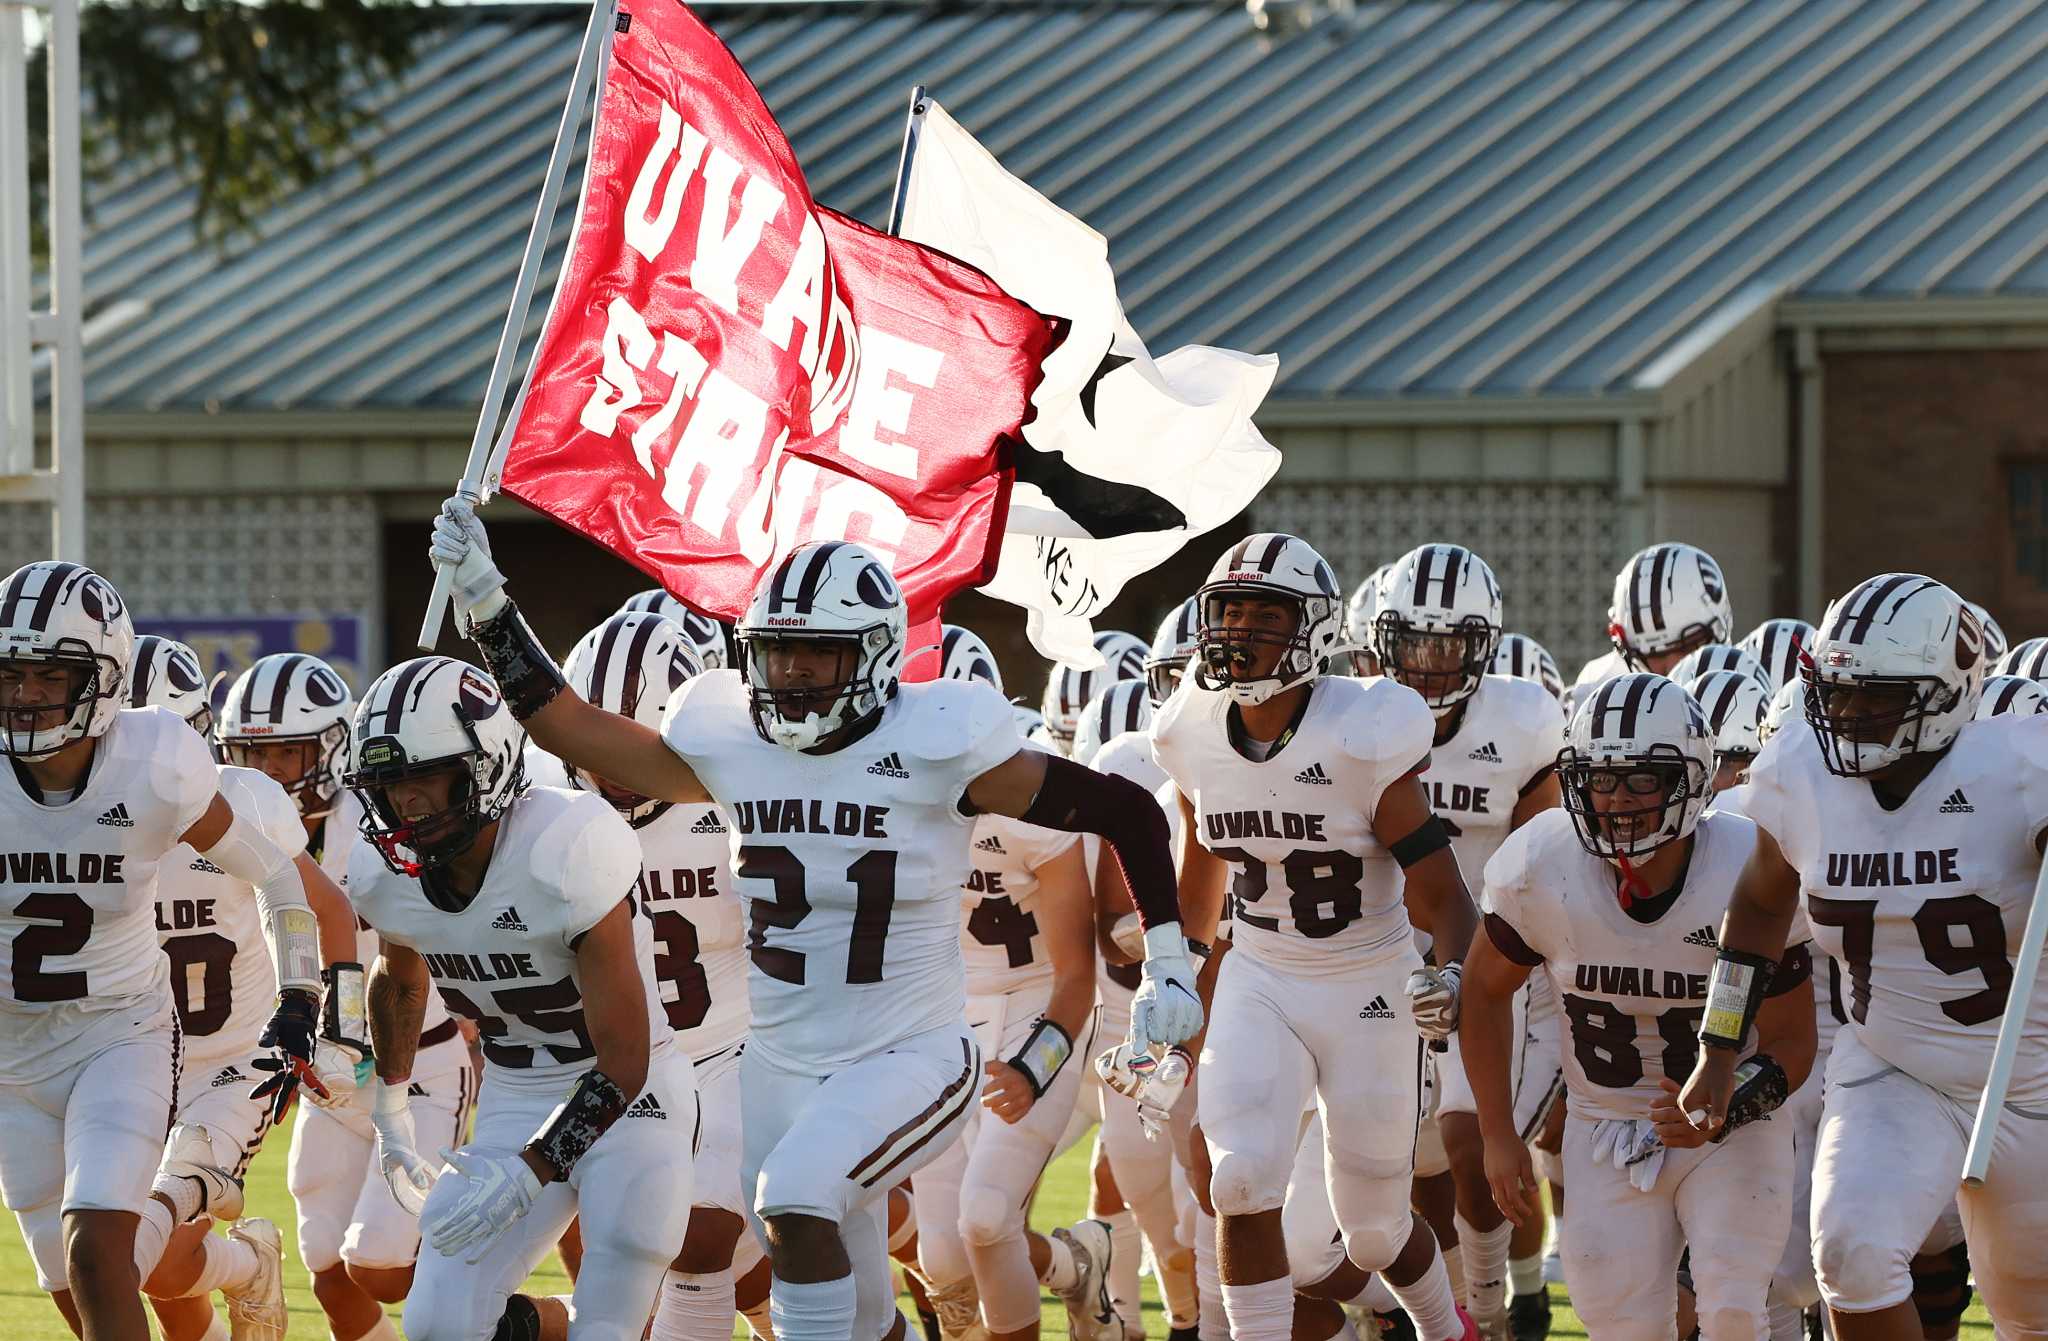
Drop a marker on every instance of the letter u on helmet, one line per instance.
(1283, 569)
(167, 674)
(292, 697)
(834, 592)
(64, 615)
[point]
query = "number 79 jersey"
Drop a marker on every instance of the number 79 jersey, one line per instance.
(850, 863)
(1924, 905)
(1312, 891)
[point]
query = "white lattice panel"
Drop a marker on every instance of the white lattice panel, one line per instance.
(1555, 547)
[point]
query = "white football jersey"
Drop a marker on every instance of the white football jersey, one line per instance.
(543, 769)
(1506, 743)
(1312, 890)
(336, 841)
(850, 863)
(78, 893)
(700, 953)
(1597, 672)
(1632, 993)
(561, 862)
(1731, 800)
(1129, 756)
(999, 934)
(1924, 905)
(222, 979)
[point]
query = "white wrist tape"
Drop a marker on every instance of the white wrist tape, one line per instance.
(1166, 941)
(246, 853)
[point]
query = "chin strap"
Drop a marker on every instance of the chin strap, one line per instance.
(1633, 888)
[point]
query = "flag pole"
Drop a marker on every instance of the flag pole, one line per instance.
(595, 36)
(913, 126)
(1991, 1104)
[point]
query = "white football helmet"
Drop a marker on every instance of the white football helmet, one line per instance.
(423, 716)
(1178, 635)
(66, 616)
(1123, 706)
(1776, 645)
(631, 665)
(1734, 702)
(1638, 737)
(1523, 658)
(1785, 706)
(1283, 570)
(834, 592)
(167, 674)
(1438, 624)
(705, 635)
(1995, 641)
(292, 698)
(1720, 656)
(1908, 653)
(1668, 598)
(1030, 722)
(2029, 658)
(964, 656)
(1068, 691)
(1123, 654)
(2014, 694)
(1358, 617)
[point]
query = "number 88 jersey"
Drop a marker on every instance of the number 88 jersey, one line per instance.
(1311, 889)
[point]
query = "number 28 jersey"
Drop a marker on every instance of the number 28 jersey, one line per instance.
(849, 863)
(1924, 905)
(1312, 891)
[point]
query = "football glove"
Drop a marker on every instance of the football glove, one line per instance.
(342, 1071)
(1433, 999)
(290, 1032)
(497, 1191)
(1166, 1010)
(460, 545)
(1155, 1086)
(1631, 1145)
(408, 1176)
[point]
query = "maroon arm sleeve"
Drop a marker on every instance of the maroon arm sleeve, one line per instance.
(1074, 799)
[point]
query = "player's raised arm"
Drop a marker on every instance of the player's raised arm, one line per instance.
(560, 722)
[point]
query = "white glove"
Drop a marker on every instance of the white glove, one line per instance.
(498, 1191)
(342, 1070)
(1166, 1010)
(1433, 999)
(459, 544)
(408, 1176)
(1632, 1145)
(1154, 1086)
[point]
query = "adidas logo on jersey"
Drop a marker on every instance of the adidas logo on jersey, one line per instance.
(1957, 804)
(415, 1091)
(228, 1076)
(988, 844)
(1314, 776)
(1704, 936)
(508, 920)
(1486, 754)
(118, 817)
(1377, 1009)
(709, 824)
(202, 864)
(889, 766)
(645, 1107)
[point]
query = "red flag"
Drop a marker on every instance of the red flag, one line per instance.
(729, 370)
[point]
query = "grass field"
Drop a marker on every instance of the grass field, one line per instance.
(26, 1314)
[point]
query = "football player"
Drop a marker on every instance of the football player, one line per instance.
(519, 906)
(289, 716)
(2012, 694)
(1304, 789)
(1523, 658)
(1358, 617)
(1734, 702)
(98, 796)
(706, 636)
(1615, 899)
(1716, 657)
(2028, 659)
(852, 798)
(1915, 834)
(1776, 644)
(1172, 646)
(1668, 599)
(1067, 690)
(1492, 768)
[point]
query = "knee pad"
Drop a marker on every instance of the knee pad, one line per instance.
(987, 1217)
(1372, 1247)
(1855, 1273)
(1941, 1286)
(43, 1228)
(1241, 1184)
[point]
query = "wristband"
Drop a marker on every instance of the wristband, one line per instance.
(1045, 1051)
(1760, 1087)
(575, 1125)
(344, 1017)
(1734, 993)
(526, 675)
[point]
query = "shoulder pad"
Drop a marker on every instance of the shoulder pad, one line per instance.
(703, 711)
(944, 719)
(182, 772)
(263, 801)
(1528, 848)
(1382, 722)
(1533, 713)
(563, 818)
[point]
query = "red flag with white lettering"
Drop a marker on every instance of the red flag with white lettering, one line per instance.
(729, 369)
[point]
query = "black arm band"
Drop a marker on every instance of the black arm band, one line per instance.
(1760, 1087)
(1795, 968)
(344, 1014)
(1430, 837)
(1076, 799)
(1734, 993)
(1044, 1052)
(588, 1113)
(527, 676)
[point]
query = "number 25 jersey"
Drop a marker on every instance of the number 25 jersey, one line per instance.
(850, 863)
(1311, 889)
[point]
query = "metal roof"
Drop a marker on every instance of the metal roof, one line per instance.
(1425, 200)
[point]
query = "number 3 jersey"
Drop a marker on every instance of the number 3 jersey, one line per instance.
(82, 968)
(700, 957)
(222, 979)
(560, 863)
(849, 863)
(1632, 992)
(1923, 905)
(1312, 891)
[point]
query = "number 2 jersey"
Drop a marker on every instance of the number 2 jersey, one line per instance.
(82, 968)
(849, 863)
(222, 979)
(1312, 890)
(560, 863)
(1924, 905)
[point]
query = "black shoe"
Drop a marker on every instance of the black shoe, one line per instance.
(929, 1322)
(1529, 1316)
(1395, 1325)
(1182, 1334)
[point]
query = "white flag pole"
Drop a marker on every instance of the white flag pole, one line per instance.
(595, 37)
(1984, 1131)
(913, 125)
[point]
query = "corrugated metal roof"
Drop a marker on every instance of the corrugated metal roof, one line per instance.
(1431, 199)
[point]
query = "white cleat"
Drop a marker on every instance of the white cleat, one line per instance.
(958, 1307)
(1090, 1315)
(256, 1313)
(189, 1154)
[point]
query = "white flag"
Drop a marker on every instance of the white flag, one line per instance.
(1128, 458)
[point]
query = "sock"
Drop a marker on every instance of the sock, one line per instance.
(383, 1331)
(1210, 1324)
(1060, 1272)
(152, 1231)
(226, 1265)
(817, 1311)
(1788, 1322)
(757, 1318)
(1525, 1274)
(1375, 1297)
(694, 1307)
(1454, 1270)
(1486, 1259)
(184, 1194)
(1177, 1286)
(1125, 1252)
(1261, 1312)
(1427, 1302)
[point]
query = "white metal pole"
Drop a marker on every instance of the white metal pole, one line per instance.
(17, 396)
(913, 127)
(67, 297)
(1984, 1131)
(595, 37)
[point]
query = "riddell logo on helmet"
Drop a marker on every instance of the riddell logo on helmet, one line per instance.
(1253, 576)
(773, 622)
(1837, 657)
